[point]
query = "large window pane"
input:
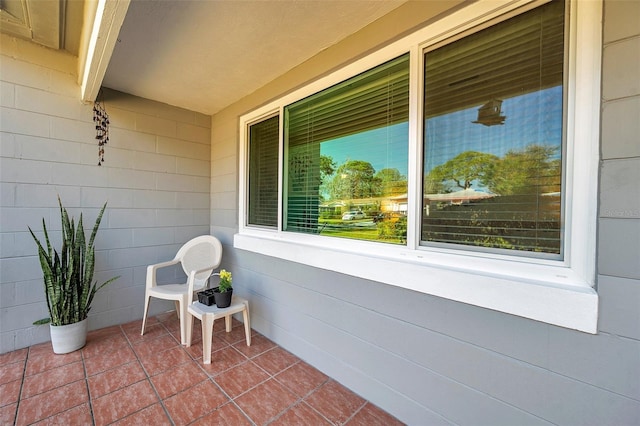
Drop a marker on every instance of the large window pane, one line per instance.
(263, 173)
(346, 157)
(493, 136)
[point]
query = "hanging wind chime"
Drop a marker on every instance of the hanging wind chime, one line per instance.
(101, 119)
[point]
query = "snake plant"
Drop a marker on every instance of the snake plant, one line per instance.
(68, 275)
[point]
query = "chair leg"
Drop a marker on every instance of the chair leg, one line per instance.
(247, 326)
(207, 337)
(183, 306)
(146, 310)
(178, 309)
(189, 321)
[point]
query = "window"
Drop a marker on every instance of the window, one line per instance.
(263, 173)
(493, 117)
(459, 161)
(346, 156)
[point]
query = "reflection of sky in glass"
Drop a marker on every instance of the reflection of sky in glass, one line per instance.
(533, 118)
(384, 148)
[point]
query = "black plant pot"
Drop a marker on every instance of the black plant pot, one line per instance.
(223, 300)
(206, 297)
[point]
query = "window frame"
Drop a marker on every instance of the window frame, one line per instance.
(558, 292)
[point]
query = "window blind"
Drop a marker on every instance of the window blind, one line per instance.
(518, 56)
(263, 173)
(375, 99)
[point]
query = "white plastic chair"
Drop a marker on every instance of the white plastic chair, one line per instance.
(198, 257)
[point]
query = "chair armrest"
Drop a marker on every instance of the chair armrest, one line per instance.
(151, 271)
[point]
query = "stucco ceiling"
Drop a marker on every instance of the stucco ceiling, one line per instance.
(205, 55)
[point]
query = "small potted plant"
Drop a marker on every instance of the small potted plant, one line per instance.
(224, 291)
(68, 282)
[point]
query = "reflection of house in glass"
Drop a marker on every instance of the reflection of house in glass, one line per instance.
(397, 203)
(489, 114)
(373, 205)
(455, 198)
(333, 208)
(338, 207)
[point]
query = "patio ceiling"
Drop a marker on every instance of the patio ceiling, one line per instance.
(194, 54)
(205, 55)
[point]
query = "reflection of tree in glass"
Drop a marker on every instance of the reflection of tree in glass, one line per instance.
(327, 166)
(393, 229)
(354, 179)
(392, 182)
(532, 170)
(461, 171)
(359, 179)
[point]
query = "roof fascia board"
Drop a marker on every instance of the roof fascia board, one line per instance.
(105, 29)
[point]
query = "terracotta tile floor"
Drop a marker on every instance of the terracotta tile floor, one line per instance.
(120, 377)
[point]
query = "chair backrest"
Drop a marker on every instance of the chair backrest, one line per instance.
(199, 253)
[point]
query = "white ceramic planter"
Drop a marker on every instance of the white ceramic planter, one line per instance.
(69, 338)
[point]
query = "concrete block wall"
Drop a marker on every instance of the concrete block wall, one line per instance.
(156, 180)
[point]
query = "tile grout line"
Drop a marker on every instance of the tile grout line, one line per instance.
(212, 379)
(24, 374)
(269, 377)
(299, 399)
(355, 412)
(303, 398)
(86, 381)
(248, 359)
(148, 377)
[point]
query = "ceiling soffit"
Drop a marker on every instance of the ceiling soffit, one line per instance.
(205, 55)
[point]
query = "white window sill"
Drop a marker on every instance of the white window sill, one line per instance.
(548, 293)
